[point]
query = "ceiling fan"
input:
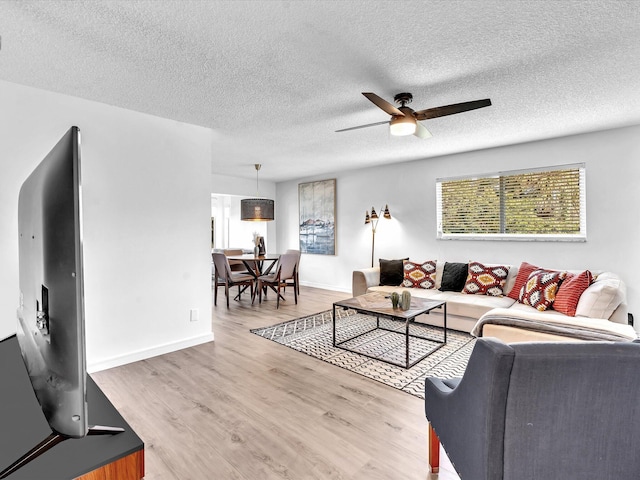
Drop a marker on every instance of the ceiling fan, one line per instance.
(405, 120)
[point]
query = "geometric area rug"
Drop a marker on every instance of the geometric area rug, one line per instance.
(313, 335)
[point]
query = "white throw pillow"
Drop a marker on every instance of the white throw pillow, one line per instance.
(602, 297)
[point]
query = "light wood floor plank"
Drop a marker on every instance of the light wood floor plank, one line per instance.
(245, 408)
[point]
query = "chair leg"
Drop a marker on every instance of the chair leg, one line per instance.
(241, 289)
(278, 299)
(434, 450)
(226, 292)
(295, 291)
(254, 290)
(215, 292)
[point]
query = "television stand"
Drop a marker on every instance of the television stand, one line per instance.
(117, 452)
(48, 443)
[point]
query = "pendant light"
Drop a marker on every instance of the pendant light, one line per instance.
(256, 209)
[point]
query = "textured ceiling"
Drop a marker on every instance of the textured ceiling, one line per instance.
(275, 79)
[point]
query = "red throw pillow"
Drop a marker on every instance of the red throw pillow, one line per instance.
(523, 275)
(541, 288)
(570, 291)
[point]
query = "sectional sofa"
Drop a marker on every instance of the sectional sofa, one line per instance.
(510, 302)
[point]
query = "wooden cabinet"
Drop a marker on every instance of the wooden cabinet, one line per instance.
(130, 467)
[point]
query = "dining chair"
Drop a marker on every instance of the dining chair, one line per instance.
(235, 265)
(285, 274)
(297, 279)
(223, 276)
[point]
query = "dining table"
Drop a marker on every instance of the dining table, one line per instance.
(257, 264)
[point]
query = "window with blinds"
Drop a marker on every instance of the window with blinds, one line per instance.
(538, 204)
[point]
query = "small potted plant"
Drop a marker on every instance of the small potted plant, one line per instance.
(395, 299)
(405, 300)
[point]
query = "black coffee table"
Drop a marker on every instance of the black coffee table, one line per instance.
(379, 306)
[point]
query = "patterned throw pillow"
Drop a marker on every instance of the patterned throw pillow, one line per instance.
(541, 288)
(521, 278)
(483, 280)
(418, 275)
(570, 292)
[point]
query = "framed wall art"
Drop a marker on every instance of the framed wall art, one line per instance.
(317, 215)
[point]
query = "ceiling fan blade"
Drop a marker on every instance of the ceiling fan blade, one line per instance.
(451, 109)
(422, 132)
(383, 104)
(363, 126)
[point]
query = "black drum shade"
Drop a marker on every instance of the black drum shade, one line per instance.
(256, 209)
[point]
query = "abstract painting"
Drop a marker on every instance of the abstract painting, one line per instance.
(317, 214)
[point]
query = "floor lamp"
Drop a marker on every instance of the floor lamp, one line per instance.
(373, 220)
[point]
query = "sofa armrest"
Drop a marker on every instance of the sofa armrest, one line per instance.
(363, 279)
(468, 415)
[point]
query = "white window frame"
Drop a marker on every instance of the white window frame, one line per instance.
(568, 237)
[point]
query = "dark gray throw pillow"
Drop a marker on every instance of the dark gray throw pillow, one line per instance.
(391, 272)
(454, 277)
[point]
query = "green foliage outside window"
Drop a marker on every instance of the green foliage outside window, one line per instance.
(532, 203)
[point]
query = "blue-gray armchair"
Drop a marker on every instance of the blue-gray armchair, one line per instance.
(533, 411)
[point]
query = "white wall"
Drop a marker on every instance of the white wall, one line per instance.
(242, 235)
(146, 220)
(613, 222)
(246, 187)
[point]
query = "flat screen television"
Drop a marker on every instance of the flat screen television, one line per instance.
(51, 321)
(51, 309)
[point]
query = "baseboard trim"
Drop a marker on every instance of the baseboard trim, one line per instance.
(334, 288)
(148, 353)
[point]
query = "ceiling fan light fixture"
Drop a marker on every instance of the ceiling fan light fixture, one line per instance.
(402, 126)
(405, 121)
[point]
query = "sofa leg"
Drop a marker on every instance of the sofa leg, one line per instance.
(434, 450)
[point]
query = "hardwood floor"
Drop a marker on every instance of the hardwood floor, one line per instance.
(243, 407)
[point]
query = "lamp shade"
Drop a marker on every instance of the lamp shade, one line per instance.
(400, 126)
(256, 209)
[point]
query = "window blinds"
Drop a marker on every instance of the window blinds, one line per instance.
(547, 203)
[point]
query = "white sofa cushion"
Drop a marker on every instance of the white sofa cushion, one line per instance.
(473, 306)
(602, 297)
(415, 292)
(460, 304)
